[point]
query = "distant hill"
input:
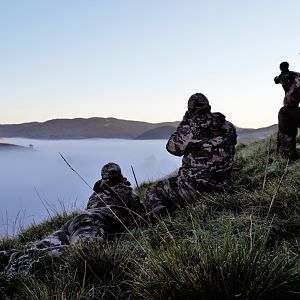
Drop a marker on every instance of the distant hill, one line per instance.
(245, 135)
(248, 135)
(81, 128)
(5, 146)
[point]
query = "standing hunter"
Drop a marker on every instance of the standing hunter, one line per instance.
(207, 143)
(289, 114)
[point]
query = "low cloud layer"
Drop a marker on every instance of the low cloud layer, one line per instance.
(36, 183)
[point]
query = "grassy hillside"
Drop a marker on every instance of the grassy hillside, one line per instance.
(240, 244)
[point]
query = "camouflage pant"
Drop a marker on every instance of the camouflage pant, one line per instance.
(176, 192)
(165, 195)
(286, 146)
(91, 225)
(288, 124)
(86, 227)
(28, 261)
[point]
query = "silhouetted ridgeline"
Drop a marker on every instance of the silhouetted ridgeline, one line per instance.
(80, 128)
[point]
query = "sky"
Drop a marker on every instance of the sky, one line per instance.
(142, 60)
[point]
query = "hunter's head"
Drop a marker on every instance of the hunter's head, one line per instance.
(111, 171)
(198, 101)
(284, 66)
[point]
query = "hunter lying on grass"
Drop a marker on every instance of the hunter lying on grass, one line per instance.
(112, 208)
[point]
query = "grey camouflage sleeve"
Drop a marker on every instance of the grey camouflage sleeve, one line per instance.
(180, 139)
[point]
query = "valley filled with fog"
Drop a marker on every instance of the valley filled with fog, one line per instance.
(36, 183)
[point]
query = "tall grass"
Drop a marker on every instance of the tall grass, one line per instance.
(232, 268)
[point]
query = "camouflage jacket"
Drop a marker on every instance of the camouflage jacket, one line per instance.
(292, 97)
(111, 203)
(290, 82)
(286, 79)
(206, 142)
(118, 196)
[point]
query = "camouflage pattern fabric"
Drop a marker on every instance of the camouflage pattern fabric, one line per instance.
(289, 114)
(287, 80)
(286, 146)
(290, 82)
(5, 256)
(112, 208)
(206, 141)
(292, 96)
(31, 261)
(288, 124)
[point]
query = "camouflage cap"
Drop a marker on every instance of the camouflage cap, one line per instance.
(110, 170)
(197, 100)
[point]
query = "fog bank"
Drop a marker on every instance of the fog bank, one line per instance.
(36, 183)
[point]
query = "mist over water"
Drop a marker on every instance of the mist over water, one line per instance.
(36, 183)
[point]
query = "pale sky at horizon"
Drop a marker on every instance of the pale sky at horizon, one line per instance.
(141, 60)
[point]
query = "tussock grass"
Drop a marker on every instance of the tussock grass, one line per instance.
(88, 271)
(242, 243)
(232, 268)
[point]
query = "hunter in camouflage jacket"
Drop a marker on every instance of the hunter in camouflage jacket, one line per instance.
(207, 142)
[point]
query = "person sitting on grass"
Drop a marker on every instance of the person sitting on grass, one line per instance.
(207, 143)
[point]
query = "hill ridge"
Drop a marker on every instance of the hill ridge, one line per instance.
(110, 127)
